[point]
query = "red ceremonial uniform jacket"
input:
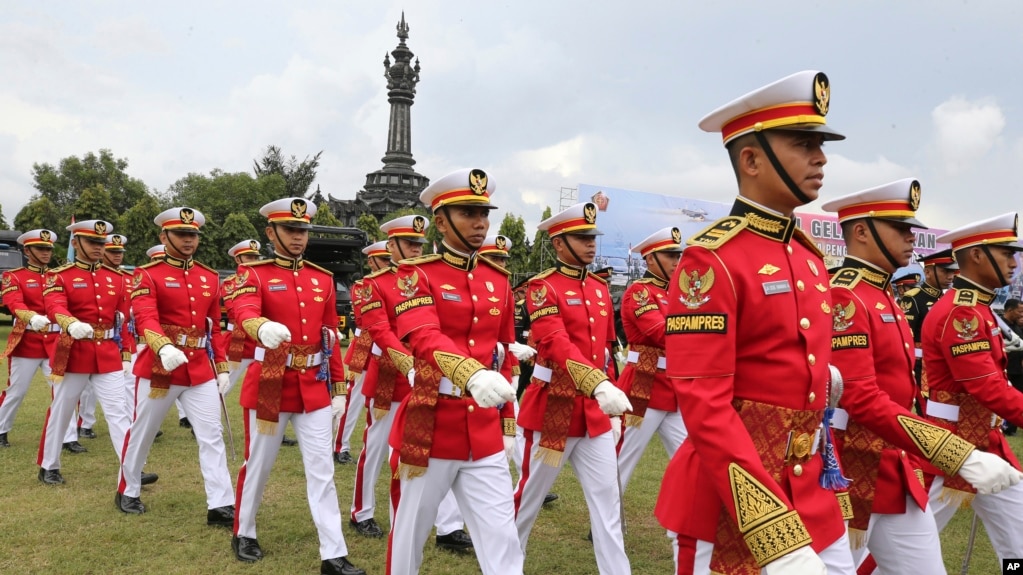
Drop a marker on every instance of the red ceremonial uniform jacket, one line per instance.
(460, 305)
(184, 294)
(748, 343)
(964, 356)
(356, 293)
(872, 346)
(300, 295)
(227, 295)
(571, 318)
(644, 307)
(378, 296)
(90, 293)
(23, 295)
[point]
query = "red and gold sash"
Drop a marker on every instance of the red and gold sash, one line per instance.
(15, 338)
(236, 345)
(642, 382)
(387, 377)
(557, 418)
(360, 352)
(159, 380)
(62, 353)
(420, 415)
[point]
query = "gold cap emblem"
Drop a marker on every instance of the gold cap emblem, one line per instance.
(502, 243)
(100, 228)
(45, 235)
(590, 213)
(478, 182)
(418, 224)
(821, 93)
(186, 215)
(253, 245)
(676, 235)
(298, 208)
(116, 240)
(914, 196)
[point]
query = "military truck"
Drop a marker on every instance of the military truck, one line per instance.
(340, 251)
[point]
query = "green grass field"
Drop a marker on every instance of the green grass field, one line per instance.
(75, 528)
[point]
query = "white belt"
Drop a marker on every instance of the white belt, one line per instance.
(230, 327)
(105, 334)
(375, 350)
(816, 441)
(525, 333)
(919, 353)
(542, 373)
(182, 339)
(358, 332)
(54, 327)
(448, 388)
(943, 410)
(310, 360)
(840, 420)
(633, 357)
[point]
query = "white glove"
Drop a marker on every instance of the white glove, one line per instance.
(411, 377)
(272, 334)
(126, 366)
(171, 357)
(489, 388)
(612, 400)
(521, 352)
(509, 447)
(988, 473)
(616, 429)
(1014, 344)
(802, 561)
(79, 330)
(39, 322)
(619, 357)
(223, 383)
(337, 406)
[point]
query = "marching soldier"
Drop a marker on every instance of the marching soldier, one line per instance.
(939, 270)
(964, 358)
(748, 342)
(157, 252)
(905, 282)
(90, 303)
(176, 305)
(454, 310)
(644, 303)
(113, 256)
(238, 348)
(564, 413)
(356, 357)
(287, 305)
(880, 441)
(33, 338)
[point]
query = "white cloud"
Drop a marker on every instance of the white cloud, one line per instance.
(965, 131)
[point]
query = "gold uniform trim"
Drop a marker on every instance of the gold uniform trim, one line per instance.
(156, 340)
(403, 362)
(65, 320)
(941, 447)
(457, 368)
(845, 504)
(338, 388)
(585, 377)
(508, 425)
(755, 504)
(222, 367)
(26, 315)
(125, 355)
(779, 537)
(251, 326)
(715, 235)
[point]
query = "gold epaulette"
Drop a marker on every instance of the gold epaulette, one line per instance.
(421, 259)
(377, 273)
(257, 263)
(911, 292)
(591, 275)
(715, 235)
(117, 271)
(807, 241)
(846, 277)
(18, 269)
(206, 267)
(149, 264)
(319, 267)
(965, 297)
(494, 266)
(543, 274)
(59, 269)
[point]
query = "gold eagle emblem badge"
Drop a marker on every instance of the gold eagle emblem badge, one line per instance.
(502, 243)
(676, 235)
(478, 182)
(842, 316)
(821, 93)
(45, 235)
(538, 296)
(418, 224)
(298, 208)
(253, 245)
(967, 329)
(590, 213)
(408, 285)
(695, 287)
(100, 227)
(914, 196)
(186, 215)
(641, 297)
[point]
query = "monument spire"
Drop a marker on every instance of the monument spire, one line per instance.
(402, 77)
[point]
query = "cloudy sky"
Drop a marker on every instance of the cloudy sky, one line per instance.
(541, 94)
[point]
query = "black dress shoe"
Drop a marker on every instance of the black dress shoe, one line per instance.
(126, 504)
(457, 540)
(149, 478)
(246, 549)
(3, 440)
(549, 498)
(289, 441)
(221, 516)
(183, 422)
(339, 566)
(86, 433)
(51, 476)
(74, 447)
(343, 458)
(367, 527)
(159, 432)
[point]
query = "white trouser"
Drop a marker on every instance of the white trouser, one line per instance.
(667, 424)
(203, 407)
(903, 542)
(129, 385)
(519, 442)
(110, 391)
(21, 372)
(482, 489)
(593, 459)
(313, 431)
(236, 374)
(181, 411)
(836, 557)
(374, 450)
(353, 409)
(87, 408)
(1002, 514)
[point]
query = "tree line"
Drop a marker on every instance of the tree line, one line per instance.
(98, 186)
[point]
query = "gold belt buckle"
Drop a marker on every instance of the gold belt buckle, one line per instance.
(799, 445)
(298, 361)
